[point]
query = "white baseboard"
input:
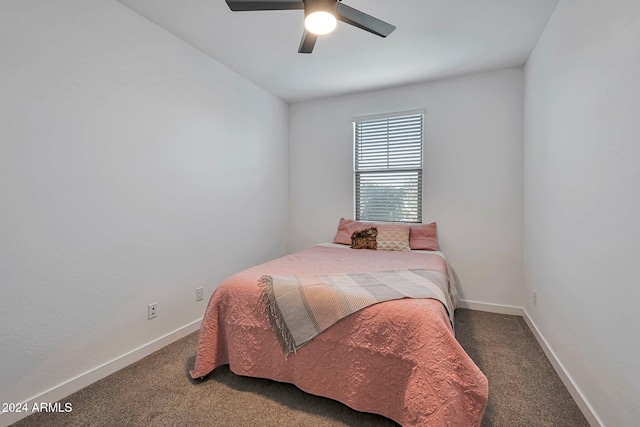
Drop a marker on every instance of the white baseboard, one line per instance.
(63, 390)
(491, 308)
(581, 401)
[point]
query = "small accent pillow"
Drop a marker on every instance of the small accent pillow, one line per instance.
(346, 228)
(364, 239)
(393, 237)
(424, 237)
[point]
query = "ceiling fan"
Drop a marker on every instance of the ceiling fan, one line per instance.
(320, 17)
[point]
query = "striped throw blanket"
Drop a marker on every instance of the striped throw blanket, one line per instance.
(301, 307)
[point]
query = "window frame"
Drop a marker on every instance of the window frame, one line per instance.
(358, 173)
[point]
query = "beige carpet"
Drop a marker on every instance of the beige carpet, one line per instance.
(524, 390)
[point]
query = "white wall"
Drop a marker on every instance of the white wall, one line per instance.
(133, 168)
(472, 173)
(581, 199)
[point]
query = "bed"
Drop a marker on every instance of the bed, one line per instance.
(399, 359)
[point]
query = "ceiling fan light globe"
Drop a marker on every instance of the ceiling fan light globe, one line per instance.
(320, 23)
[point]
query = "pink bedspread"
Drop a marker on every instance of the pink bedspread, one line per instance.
(399, 359)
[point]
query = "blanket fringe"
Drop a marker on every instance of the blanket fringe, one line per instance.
(273, 313)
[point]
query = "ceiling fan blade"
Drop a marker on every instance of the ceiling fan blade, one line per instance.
(249, 5)
(362, 20)
(308, 42)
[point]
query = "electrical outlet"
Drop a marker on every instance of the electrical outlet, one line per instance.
(199, 293)
(152, 311)
(535, 298)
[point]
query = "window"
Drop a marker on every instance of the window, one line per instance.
(388, 167)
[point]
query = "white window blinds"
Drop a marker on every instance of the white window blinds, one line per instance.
(388, 168)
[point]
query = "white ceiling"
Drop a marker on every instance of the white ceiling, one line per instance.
(433, 39)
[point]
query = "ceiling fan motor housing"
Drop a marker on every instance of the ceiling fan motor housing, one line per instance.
(311, 6)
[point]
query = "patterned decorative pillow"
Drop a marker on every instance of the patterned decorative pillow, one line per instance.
(364, 239)
(393, 237)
